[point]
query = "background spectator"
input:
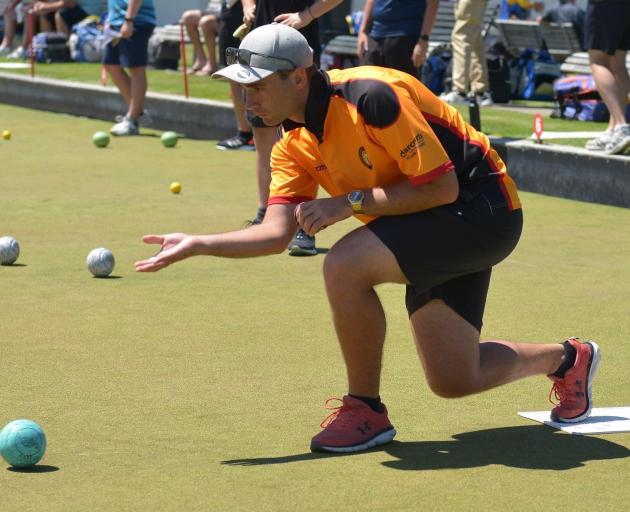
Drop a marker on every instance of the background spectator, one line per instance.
(231, 19)
(470, 68)
(130, 25)
(209, 24)
(15, 14)
(67, 13)
(607, 39)
(518, 9)
(395, 33)
(301, 15)
(566, 12)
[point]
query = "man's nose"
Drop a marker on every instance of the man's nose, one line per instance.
(250, 99)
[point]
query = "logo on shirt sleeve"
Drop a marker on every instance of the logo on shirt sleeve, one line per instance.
(363, 156)
(410, 149)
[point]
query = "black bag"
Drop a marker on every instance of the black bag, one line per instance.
(51, 47)
(499, 78)
(163, 52)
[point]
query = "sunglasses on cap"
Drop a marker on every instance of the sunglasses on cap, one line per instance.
(243, 56)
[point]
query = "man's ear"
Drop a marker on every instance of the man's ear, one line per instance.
(300, 77)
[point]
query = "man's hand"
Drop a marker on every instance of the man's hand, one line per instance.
(174, 247)
(362, 44)
(126, 30)
(295, 20)
(249, 15)
(42, 8)
(419, 55)
(313, 216)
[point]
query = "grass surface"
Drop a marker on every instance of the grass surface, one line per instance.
(199, 387)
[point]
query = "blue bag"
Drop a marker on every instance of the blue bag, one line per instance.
(86, 41)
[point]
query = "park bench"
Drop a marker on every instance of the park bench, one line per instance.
(559, 38)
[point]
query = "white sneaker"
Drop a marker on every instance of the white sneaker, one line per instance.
(620, 140)
(454, 97)
(145, 118)
(484, 99)
(4, 51)
(125, 127)
(18, 53)
(599, 143)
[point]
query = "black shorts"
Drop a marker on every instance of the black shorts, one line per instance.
(448, 252)
(231, 18)
(391, 52)
(607, 26)
(72, 15)
(132, 52)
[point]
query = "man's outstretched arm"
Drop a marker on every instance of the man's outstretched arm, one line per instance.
(270, 237)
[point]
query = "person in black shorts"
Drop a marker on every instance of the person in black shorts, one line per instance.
(127, 32)
(231, 18)
(395, 33)
(68, 13)
(607, 39)
(301, 15)
(439, 211)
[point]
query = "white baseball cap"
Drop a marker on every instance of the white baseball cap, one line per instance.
(265, 50)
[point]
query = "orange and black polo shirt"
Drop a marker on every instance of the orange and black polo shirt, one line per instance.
(370, 127)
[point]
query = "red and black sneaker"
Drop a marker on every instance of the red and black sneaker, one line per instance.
(573, 392)
(352, 427)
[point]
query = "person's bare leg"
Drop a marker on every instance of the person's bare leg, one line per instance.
(601, 68)
(138, 92)
(210, 28)
(122, 80)
(622, 78)
(60, 24)
(45, 25)
(9, 29)
(265, 139)
(455, 362)
(190, 19)
(353, 267)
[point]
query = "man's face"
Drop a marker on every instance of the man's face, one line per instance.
(272, 99)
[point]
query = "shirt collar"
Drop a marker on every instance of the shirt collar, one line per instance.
(316, 106)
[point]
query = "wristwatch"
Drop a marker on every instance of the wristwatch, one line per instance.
(424, 37)
(355, 198)
(129, 20)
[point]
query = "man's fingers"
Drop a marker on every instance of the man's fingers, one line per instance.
(153, 239)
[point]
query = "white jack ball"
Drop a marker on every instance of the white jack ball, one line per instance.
(9, 250)
(101, 262)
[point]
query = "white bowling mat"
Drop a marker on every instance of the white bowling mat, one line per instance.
(603, 420)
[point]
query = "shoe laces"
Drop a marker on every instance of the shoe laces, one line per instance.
(338, 414)
(560, 394)
(303, 235)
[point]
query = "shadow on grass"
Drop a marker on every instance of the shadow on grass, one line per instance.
(106, 278)
(527, 447)
(38, 468)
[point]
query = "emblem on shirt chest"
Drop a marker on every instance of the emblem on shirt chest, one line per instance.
(363, 156)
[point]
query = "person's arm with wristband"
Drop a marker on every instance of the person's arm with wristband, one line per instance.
(364, 30)
(127, 28)
(419, 55)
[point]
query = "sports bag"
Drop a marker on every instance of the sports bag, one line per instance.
(51, 47)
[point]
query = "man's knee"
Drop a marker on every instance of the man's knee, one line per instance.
(336, 267)
(190, 18)
(208, 22)
(451, 385)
